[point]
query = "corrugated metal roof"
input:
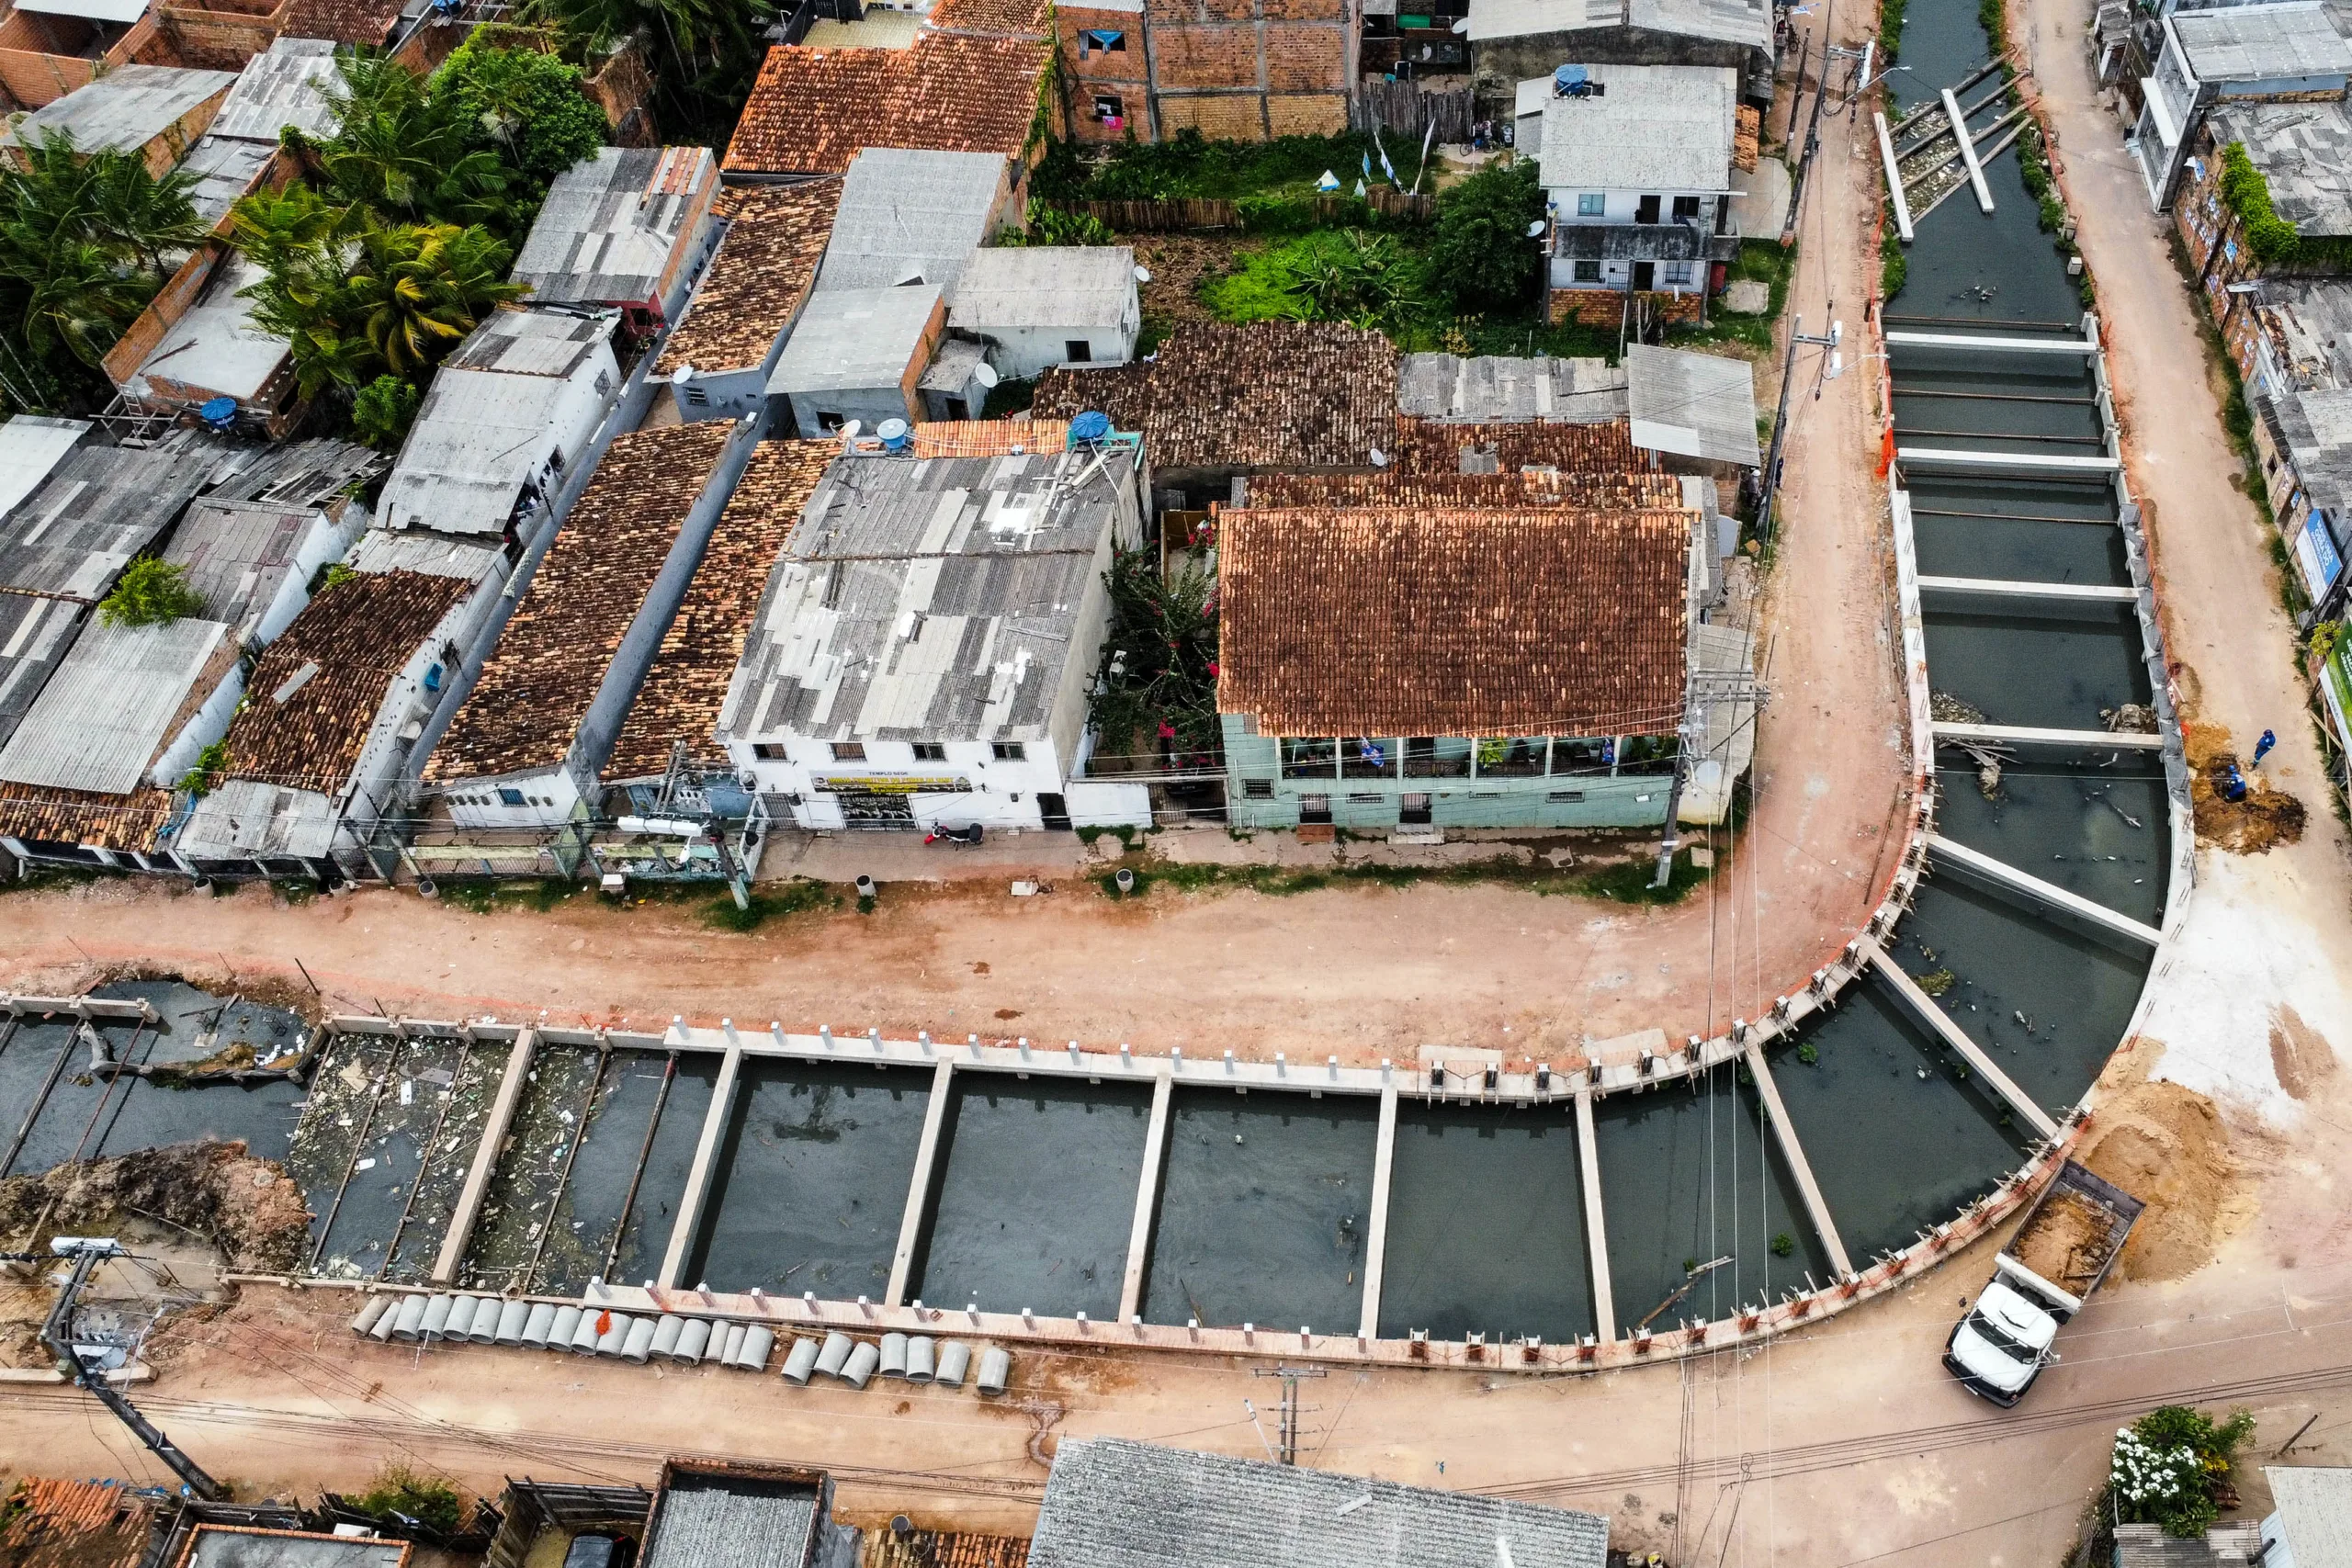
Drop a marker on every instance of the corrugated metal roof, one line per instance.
(1658, 128)
(400, 549)
(1114, 1504)
(1522, 18)
(126, 108)
(479, 438)
(238, 554)
(226, 1546)
(110, 706)
(735, 1522)
(35, 632)
(2315, 1504)
(215, 345)
(2304, 153)
(851, 338)
(224, 168)
(300, 473)
(279, 87)
(1697, 405)
(1496, 386)
(908, 216)
(1046, 286)
(611, 223)
(31, 445)
(102, 506)
(2262, 43)
(926, 599)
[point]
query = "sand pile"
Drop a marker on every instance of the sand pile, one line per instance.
(248, 1206)
(2067, 1243)
(2266, 817)
(2167, 1147)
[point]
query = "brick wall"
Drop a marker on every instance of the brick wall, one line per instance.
(1204, 55)
(1232, 69)
(1318, 114)
(1233, 117)
(1305, 57)
(217, 39)
(623, 88)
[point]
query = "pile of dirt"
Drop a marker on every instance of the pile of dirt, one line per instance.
(1178, 264)
(249, 1207)
(2165, 1146)
(2248, 827)
(2066, 1244)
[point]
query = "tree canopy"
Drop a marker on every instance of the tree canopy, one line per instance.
(524, 105)
(1481, 250)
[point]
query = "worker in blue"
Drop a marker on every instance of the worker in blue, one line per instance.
(2262, 747)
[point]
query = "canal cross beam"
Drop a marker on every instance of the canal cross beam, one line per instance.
(934, 1121)
(1792, 1150)
(1154, 1145)
(493, 1135)
(2049, 893)
(1894, 178)
(2001, 734)
(1375, 1249)
(1967, 150)
(1960, 1040)
(1595, 1230)
(2002, 587)
(714, 1129)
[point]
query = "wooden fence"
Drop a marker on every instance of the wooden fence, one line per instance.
(1181, 213)
(1404, 107)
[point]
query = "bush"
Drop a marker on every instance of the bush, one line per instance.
(1329, 276)
(1057, 226)
(2169, 1465)
(383, 409)
(401, 1491)
(211, 763)
(523, 105)
(1482, 251)
(151, 593)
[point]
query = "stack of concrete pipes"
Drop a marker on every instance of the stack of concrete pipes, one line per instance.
(419, 1318)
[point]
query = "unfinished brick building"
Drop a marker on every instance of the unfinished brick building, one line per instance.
(1233, 70)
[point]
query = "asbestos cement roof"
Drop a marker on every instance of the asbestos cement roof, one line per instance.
(932, 600)
(215, 345)
(485, 420)
(1695, 405)
(2304, 153)
(1656, 128)
(2262, 43)
(1046, 286)
(396, 549)
(910, 217)
(1266, 395)
(855, 339)
(279, 87)
(101, 506)
(31, 445)
(811, 111)
(755, 285)
(1746, 22)
(35, 632)
(224, 168)
(1515, 491)
(734, 1522)
(526, 706)
(1448, 386)
(1114, 1504)
(1452, 622)
(238, 554)
(2314, 1506)
(218, 1546)
(611, 223)
(126, 108)
(115, 699)
(686, 687)
(299, 473)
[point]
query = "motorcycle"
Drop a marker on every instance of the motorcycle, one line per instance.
(955, 838)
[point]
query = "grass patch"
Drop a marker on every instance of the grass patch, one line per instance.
(1189, 164)
(484, 894)
(799, 895)
(31, 878)
(1629, 882)
(400, 1494)
(1622, 882)
(1759, 261)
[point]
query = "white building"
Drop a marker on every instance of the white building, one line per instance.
(857, 354)
(1034, 307)
(2238, 53)
(518, 400)
(909, 217)
(1637, 164)
(925, 650)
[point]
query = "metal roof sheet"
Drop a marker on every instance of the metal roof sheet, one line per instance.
(734, 1522)
(1658, 128)
(611, 222)
(1745, 22)
(404, 549)
(1111, 1503)
(2262, 43)
(102, 506)
(238, 554)
(224, 168)
(1498, 387)
(35, 632)
(851, 338)
(1697, 405)
(31, 445)
(279, 87)
(301, 473)
(120, 11)
(110, 706)
(908, 216)
(126, 108)
(2304, 153)
(2314, 1506)
(215, 345)
(1046, 286)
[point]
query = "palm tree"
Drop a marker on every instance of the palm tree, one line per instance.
(82, 302)
(422, 287)
(398, 149)
(146, 214)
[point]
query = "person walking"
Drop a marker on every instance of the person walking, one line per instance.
(2262, 747)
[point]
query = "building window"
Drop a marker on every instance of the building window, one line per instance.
(849, 751)
(1077, 351)
(1413, 810)
(1645, 210)
(1011, 751)
(1512, 757)
(1565, 796)
(510, 798)
(1574, 756)
(1367, 757)
(1686, 210)
(769, 751)
(1438, 757)
(1315, 809)
(1308, 757)
(829, 421)
(1588, 272)
(1101, 40)
(930, 752)
(1592, 203)
(1110, 110)
(1676, 275)
(696, 396)
(1258, 789)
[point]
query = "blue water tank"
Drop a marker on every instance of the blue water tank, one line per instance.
(219, 413)
(894, 434)
(1568, 82)
(1090, 426)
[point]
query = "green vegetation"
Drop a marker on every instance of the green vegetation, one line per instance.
(1481, 248)
(1809, 1053)
(2168, 1466)
(149, 592)
(1157, 685)
(796, 896)
(482, 895)
(83, 242)
(1783, 1245)
(1369, 280)
(1894, 265)
(704, 53)
(334, 574)
(522, 105)
(1936, 982)
(400, 1493)
(211, 763)
(1619, 882)
(1759, 261)
(1189, 164)
(382, 410)
(1050, 225)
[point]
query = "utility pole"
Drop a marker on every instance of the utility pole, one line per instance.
(87, 1253)
(1288, 1448)
(1813, 126)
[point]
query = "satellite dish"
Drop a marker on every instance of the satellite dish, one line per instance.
(849, 431)
(1379, 458)
(984, 374)
(1535, 230)
(1143, 274)
(1461, 27)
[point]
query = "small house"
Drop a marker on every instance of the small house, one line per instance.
(156, 112)
(128, 707)
(858, 353)
(1511, 40)
(812, 110)
(1034, 307)
(99, 507)
(285, 84)
(925, 647)
(629, 228)
(527, 746)
(516, 402)
(198, 341)
(2289, 54)
(909, 217)
(718, 359)
(2304, 153)
(252, 562)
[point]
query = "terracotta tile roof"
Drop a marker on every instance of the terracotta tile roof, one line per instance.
(84, 817)
(812, 109)
(944, 1549)
(1453, 621)
(525, 709)
(1601, 492)
(1435, 446)
(354, 636)
(342, 21)
(1267, 395)
(990, 437)
(990, 18)
(72, 1524)
(764, 268)
(683, 690)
